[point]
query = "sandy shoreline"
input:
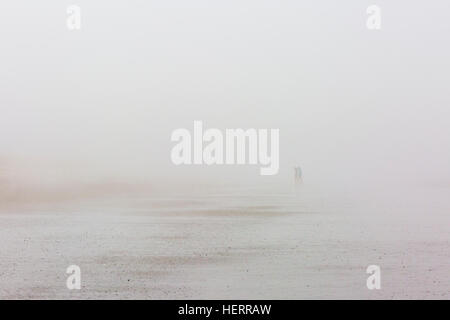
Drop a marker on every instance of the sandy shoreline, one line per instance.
(220, 247)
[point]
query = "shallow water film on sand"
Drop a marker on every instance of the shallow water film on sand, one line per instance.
(241, 244)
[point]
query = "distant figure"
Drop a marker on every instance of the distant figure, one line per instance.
(297, 175)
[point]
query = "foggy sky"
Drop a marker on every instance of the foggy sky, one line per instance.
(351, 104)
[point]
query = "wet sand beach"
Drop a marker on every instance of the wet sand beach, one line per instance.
(223, 246)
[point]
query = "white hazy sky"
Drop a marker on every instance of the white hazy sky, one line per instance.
(350, 103)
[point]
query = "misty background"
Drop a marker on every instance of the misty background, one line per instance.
(356, 108)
